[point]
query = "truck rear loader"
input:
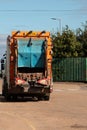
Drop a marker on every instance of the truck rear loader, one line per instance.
(28, 65)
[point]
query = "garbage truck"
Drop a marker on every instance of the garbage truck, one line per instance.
(28, 65)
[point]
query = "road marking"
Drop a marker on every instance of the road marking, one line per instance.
(29, 124)
(73, 89)
(60, 90)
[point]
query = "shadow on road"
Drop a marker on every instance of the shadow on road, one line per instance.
(18, 99)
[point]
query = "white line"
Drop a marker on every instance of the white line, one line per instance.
(58, 90)
(29, 124)
(73, 89)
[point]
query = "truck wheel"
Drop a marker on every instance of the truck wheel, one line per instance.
(7, 97)
(14, 98)
(5, 88)
(47, 98)
(39, 98)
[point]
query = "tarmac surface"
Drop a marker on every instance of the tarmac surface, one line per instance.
(66, 110)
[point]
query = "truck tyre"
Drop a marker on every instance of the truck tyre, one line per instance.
(4, 89)
(39, 98)
(14, 98)
(47, 98)
(7, 97)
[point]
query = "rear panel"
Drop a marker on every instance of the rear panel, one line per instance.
(31, 53)
(30, 62)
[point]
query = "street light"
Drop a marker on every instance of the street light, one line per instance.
(60, 26)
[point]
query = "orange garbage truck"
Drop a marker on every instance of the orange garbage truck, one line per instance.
(28, 65)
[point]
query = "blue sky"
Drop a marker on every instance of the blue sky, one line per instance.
(37, 14)
(71, 12)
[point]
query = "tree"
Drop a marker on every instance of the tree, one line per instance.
(81, 35)
(66, 44)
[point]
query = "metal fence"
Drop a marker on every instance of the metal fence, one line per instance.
(70, 69)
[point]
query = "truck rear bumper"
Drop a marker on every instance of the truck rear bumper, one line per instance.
(28, 92)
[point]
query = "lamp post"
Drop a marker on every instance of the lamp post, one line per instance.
(60, 25)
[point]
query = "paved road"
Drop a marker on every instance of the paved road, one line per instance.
(66, 110)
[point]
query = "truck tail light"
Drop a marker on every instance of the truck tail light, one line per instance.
(19, 81)
(43, 81)
(12, 58)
